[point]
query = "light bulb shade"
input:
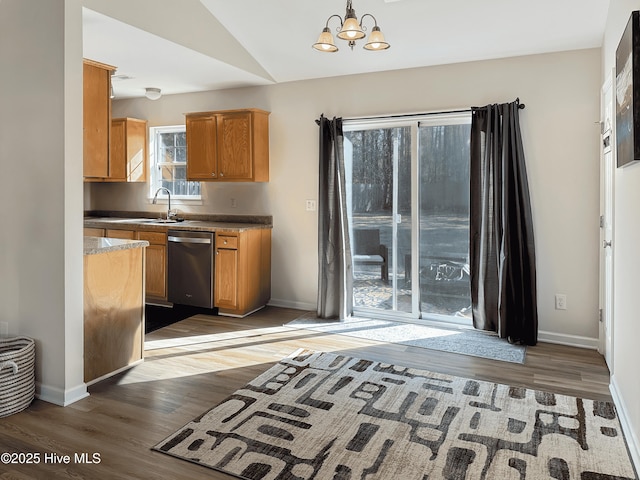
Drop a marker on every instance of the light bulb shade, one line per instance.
(351, 29)
(325, 42)
(152, 93)
(376, 40)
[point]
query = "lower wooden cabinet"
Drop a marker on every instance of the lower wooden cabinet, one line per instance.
(93, 232)
(242, 277)
(113, 312)
(155, 262)
(226, 275)
(115, 233)
(156, 265)
(242, 271)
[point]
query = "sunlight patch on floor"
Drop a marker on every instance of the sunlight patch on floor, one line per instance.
(173, 342)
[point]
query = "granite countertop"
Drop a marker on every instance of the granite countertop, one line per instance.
(140, 221)
(95, 245)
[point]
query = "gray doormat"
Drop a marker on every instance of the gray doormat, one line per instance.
(466, 342)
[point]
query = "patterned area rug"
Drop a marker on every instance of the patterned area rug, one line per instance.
(464, 341)
(324, 416)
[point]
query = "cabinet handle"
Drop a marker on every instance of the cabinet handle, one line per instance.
(213, 174)
(225, 242)
(217, 252)
(221, 174)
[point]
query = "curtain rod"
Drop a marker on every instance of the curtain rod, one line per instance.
(405, 115)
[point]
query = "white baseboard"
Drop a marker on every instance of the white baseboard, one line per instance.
(570, 340)
(275, 302)
(629, 434)
(61, 397)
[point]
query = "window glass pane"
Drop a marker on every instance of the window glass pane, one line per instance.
(444, 219)
(170, 163)
(181, 154)
(174, 177)
(380, 161)
(166, 139)
(167, 155)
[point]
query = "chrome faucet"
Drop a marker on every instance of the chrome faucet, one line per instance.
(155, 200)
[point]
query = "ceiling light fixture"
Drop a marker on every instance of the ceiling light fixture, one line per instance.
(351, 30)
(152, 93)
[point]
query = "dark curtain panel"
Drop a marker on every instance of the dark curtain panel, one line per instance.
(335, 282)
(502, 253)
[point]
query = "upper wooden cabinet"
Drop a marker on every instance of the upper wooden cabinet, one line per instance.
(228, 146)
(128, 151)
(97, 118)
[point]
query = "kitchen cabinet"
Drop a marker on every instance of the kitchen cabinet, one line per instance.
(128, 150)
(113, 307)
(93, 232)
(117, 233)
(226, 274)
(96, 119)
(156, 257)
(228, 146)
(156, 265)
(242, 271)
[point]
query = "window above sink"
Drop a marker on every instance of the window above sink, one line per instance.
(168, 164)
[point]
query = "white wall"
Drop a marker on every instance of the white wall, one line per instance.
(41, 203)
(561, 139)
(625, 382)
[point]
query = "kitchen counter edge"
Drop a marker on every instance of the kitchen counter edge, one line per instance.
(97, 245)
(148, 225)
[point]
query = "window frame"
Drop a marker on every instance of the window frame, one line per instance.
(154, 180)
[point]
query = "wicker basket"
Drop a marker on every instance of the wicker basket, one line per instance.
(17, 374)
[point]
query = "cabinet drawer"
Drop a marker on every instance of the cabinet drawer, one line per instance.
(93, 232)
(115, 233)
(154, 238)
(227, 241)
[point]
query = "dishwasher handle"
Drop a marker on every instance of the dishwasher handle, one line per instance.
(188, 239)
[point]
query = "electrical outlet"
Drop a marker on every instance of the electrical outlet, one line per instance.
(310, 205)
(4, 329)
(234, 203)
(561, 301)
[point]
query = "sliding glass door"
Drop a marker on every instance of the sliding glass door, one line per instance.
(408, 182)
(444, 217)
(379, 161)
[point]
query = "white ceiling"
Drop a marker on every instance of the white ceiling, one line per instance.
(195, 45)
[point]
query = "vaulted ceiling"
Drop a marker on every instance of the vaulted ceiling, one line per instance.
(196, 45)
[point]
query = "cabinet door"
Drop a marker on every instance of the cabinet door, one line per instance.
(235, 146)
(97, 120)
(156, 264)
(156, 273)
(226, 281)
(136, 152)
(128, 150)
(201, 148)
(117, 149)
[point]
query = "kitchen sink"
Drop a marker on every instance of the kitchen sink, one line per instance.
(120, 220)
(156, 220)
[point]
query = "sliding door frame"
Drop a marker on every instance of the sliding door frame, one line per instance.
(412, 121)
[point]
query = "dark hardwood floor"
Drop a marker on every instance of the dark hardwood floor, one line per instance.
(194, 364)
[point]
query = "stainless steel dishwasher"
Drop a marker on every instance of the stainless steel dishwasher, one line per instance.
(190, 268)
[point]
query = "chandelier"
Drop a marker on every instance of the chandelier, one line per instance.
(351, 30)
